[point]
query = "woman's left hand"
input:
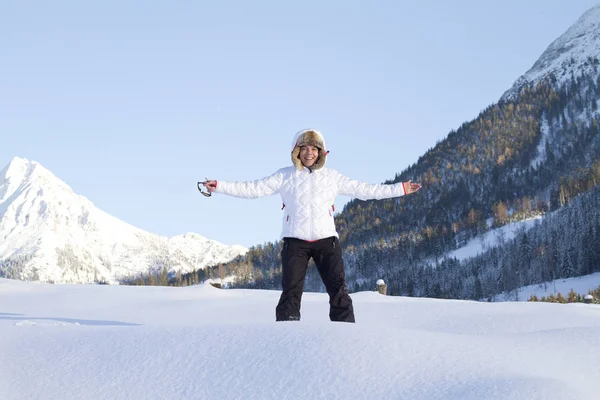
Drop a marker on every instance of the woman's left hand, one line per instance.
(410, 187)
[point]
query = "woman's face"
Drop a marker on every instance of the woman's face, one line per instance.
(309, 155)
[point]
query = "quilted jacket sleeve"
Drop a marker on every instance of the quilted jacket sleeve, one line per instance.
(366, 191)
(252, 189)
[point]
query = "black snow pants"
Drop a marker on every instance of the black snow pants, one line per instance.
(327, 254)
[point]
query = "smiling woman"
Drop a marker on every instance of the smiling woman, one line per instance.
(308, 191)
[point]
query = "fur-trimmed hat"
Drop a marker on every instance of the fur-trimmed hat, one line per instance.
(309, 137)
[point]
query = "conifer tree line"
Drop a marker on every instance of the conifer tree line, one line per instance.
(11, 268)
(537, 155)
(572, 297)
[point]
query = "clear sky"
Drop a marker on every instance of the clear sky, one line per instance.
(132, 102)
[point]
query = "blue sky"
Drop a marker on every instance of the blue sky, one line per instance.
(132, 102)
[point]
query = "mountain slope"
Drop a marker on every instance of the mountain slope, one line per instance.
(519, 158)
(51, 234)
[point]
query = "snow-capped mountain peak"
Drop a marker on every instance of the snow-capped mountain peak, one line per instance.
(21, 172)
(50, 233)
(575, 51)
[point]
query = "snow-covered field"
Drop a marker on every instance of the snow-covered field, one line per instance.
(118, 342)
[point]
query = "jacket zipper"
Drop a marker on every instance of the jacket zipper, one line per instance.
(310, 200)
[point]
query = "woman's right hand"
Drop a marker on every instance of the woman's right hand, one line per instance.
(210, 185)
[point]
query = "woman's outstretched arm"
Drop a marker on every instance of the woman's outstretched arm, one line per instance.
(366, 191)
(249, 189)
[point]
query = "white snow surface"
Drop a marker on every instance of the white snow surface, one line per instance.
(567, 55)
(59, 236)
(125, 342)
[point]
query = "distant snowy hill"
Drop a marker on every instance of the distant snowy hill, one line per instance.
(573, 53)
(493, 237)
(51, 234)
(580, 285)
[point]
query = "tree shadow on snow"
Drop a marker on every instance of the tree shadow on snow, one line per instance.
(74, 321)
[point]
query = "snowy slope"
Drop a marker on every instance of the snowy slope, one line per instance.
(492, 238)
(581, 285)
(117, 342)
(51, 234)
(572, 53)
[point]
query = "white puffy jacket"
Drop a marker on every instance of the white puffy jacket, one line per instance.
(308, 197)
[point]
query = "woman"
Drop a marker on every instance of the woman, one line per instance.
(308, 190)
